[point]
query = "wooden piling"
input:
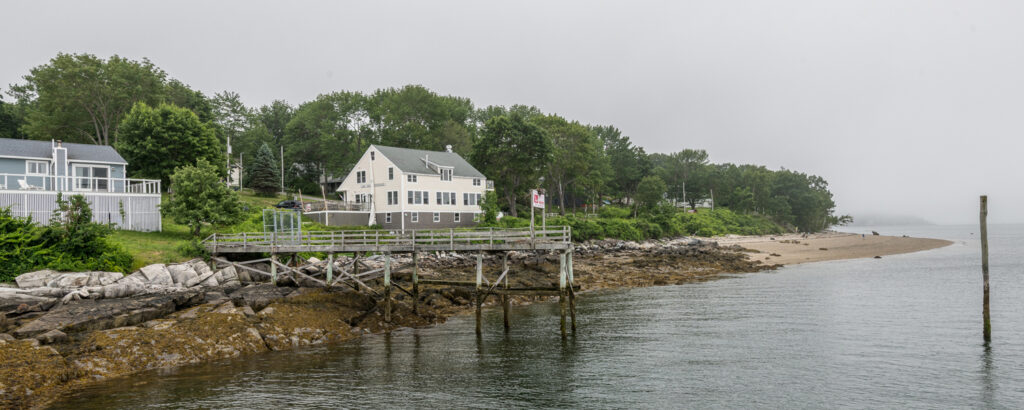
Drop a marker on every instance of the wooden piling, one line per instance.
(415, 283)
(505, 298)
(330, 268)
(561, 290)
(478, 293)
(987, 326)
(273, 268)
(387, 287)
(572, 293)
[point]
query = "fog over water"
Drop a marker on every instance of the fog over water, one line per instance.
(909, 107)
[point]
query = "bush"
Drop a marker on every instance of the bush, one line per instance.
(71, 243)
(610, 211)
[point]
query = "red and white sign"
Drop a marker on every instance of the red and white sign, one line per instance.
(538, 199)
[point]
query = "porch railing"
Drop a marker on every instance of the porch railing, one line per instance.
(53, 183)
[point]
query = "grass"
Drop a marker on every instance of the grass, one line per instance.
(163, 247)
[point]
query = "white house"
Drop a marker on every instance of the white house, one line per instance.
(402, 188)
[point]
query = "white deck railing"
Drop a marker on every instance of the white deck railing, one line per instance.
(72, 184)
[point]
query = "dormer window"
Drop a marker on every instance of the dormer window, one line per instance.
(446, 174)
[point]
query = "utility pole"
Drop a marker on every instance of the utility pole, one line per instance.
(241, 171)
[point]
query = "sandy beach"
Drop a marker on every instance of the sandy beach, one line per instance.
(792, 249)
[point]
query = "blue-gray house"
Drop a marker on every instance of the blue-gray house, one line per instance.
(33, 172)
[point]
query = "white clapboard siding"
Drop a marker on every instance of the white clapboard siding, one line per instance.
(141, 211)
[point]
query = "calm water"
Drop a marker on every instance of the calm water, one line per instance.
(903, 331)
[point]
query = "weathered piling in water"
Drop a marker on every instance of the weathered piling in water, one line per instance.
(415, 283)
(478, 294)
(561, 290)
(504, 297)
(387, 287)
(984, 269)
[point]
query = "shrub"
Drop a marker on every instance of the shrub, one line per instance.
(610, 211)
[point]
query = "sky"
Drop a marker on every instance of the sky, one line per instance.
(905, 107)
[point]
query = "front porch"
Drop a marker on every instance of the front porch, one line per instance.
(127, 203)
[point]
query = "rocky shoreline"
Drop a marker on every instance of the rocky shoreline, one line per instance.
(59, 331)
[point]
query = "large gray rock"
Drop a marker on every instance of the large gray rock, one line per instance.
(183, 274)
(228, 277)
(201, 267)
(91, 314)
(21, 302)
(51, 337)
(35, 279)
(157, 274)
(136, 277)
(258, 296)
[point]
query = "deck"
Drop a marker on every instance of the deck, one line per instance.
(385, 241)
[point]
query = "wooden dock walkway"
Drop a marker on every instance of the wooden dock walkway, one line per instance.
(387, 243)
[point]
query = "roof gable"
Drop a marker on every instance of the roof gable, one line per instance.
(411, 161)
(44, 150)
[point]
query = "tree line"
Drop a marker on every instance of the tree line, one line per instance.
(159, 123)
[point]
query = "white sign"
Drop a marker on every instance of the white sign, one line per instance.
(538, 199)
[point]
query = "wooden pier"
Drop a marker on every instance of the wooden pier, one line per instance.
(270, 248)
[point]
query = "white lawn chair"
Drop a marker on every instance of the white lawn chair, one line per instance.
(24, 185)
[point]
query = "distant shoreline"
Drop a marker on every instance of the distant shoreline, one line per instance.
(796, 248)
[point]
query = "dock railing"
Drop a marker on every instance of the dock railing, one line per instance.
(434, 238)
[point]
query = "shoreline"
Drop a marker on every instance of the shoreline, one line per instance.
(207, 330)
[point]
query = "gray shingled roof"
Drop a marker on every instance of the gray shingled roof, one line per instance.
(44, 149)
(411, 160)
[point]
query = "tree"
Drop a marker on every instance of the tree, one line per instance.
(514, 152)
(155, 141)
(416, 117)
(490, 207)
(650, 191)
(83, 98)
(275, 118)
(629, 161)
(199, 197)
(263, 174)
(326, 136)
(11, 120)
(180, 94)
(574, 153)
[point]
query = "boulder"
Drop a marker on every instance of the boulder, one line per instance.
(7, 337)
(121, 290)
(200, 267)
(208, 280)
(93, 314)
(157, 274)
(183, 274)
(21, 302)
(35, 279)
(258, 296)
(135, 277)
(228, 277)
(51, 337)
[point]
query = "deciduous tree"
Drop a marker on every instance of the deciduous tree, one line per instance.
(157, 140)
(199, 197)
(514, 153)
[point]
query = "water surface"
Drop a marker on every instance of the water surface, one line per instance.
(902, 331)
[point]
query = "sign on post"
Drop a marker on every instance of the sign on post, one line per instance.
(538, 199)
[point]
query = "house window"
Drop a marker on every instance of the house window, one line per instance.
(360, 177)
(458, 217)
(410, 197)
(440, 196)
(37, 168)
(392, 197)
(387, 217)
(478, 199)
(470, 199)
(465, 198)
(451, 196)
(371, 155)
(391, 173)
(410, 178)
(477, 217)
(437, 217)
(418, 198)
(476, 181)
(446, 174)
(426, 197)
(89, 178)
(414, 217)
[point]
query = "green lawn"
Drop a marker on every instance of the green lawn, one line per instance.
(162, 247)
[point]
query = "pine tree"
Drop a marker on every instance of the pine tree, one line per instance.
(264, 177)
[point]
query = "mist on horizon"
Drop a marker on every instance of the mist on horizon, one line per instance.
(906, 108)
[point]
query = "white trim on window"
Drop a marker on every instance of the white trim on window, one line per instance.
(33, 167)
(458, 217)
(387, 217)
(391, 173)
(437, 217)
(414, 217)
(410, 178)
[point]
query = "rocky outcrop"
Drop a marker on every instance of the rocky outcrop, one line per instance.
(259, 296)
(108, 313)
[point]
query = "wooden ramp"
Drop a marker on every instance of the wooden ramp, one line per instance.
(387, 243)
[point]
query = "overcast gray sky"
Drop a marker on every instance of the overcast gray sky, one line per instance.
(905, 107)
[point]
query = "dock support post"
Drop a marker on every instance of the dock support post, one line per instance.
(387, 287)
(561, 290)
(213, 263)
(505, 297)
(330, 268)
(415, 283)
(478, 295)
(572, 291)
(273, 268)
(987, 324)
